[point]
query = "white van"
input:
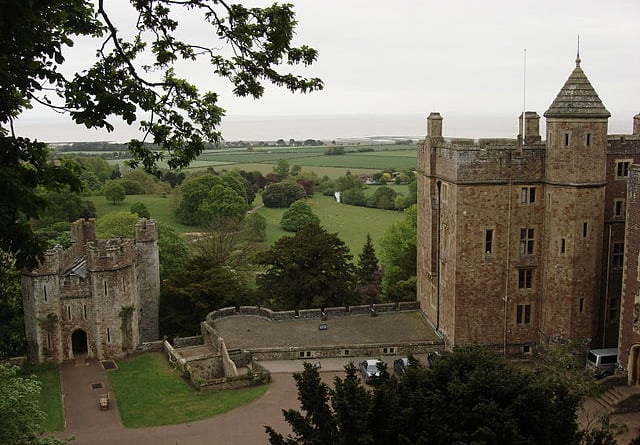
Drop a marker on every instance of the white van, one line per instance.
(603, 362)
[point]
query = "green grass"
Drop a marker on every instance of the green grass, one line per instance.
(150, 393)
(50, 395)
(386, 156)
(351, 223)
(160, 208)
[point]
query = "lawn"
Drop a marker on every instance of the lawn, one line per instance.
(150, 393)
(50, 395)
(351, 223)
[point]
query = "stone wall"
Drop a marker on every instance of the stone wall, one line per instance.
(309, 313)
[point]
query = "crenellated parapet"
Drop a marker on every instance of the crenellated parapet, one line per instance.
(146, 230)
(110, 254)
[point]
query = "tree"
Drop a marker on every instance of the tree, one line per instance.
(399, 258)
(12, 334)
(120, 224)
(297, 216)
(383, 198)
(207, 199)
(367, 262)
(138, 208)
(311, 269)
(114, 191)
(282, 194)
(472, 396)
(133, 77)
(256, 225)
(281, 169)
(22, 418)
(215, 276)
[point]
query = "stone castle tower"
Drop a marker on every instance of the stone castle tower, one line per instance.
(99, 297)
(511, 232)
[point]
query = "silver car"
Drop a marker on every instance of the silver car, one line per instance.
(370, 370)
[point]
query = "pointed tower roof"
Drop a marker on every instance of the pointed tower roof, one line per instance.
(577, 98)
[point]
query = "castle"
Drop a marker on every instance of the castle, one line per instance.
(98, 297)
(521, 241)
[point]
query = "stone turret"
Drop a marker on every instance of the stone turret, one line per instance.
(636, 124)
(434, 125)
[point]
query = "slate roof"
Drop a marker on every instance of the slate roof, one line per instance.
(577, 98)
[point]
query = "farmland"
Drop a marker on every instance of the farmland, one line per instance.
(355, 160)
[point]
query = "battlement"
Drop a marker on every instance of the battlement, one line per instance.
(489, 160)
(110, 254)
(146, 230)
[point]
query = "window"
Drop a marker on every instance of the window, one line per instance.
(618, 207)
(613, 310)
(488, 241)
(523, 314)
(622, 169)
(528, 195)
(588, 140)
(105, 288)
(389, 350)
(444, 192)
(581, 305)
(345, 352)
(585, 229)
(525, 277)
(68, 312)
(304, 354)
(563, 246)
(49, 341)
(566, 139)
(84, 310)
(526, 349)
(617, 255)
(108, 335)
(526, 241)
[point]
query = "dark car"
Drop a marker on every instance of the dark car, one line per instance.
(400, 365)
(369, 370)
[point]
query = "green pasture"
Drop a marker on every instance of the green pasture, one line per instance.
(161, 208)
(351, 223)
(150, 393)
(360, 160)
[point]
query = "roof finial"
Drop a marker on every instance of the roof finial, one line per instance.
(578, 52)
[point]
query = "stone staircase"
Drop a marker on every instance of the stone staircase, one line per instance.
(620, 399)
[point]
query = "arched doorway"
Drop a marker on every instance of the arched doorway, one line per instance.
(79, 342)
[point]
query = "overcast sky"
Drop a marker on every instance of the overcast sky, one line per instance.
(406, 58)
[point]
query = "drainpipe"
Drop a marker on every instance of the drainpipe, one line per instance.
(606, 288)
(438, 186)
(507, 266)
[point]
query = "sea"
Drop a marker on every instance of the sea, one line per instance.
(338, 128)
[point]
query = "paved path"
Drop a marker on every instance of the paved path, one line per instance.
(244, 425)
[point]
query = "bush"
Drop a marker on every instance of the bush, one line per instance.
(140, 209)
(297, 216)
(282, 194)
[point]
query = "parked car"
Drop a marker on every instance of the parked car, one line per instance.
(400, 365)
(603, 362)
(370, 370)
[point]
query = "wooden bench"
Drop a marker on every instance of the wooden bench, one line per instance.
(104, 401)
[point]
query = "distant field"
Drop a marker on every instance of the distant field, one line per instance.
(397, 156)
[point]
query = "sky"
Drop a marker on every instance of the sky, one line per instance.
(387, 64)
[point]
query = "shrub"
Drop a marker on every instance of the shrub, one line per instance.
(282, 194)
